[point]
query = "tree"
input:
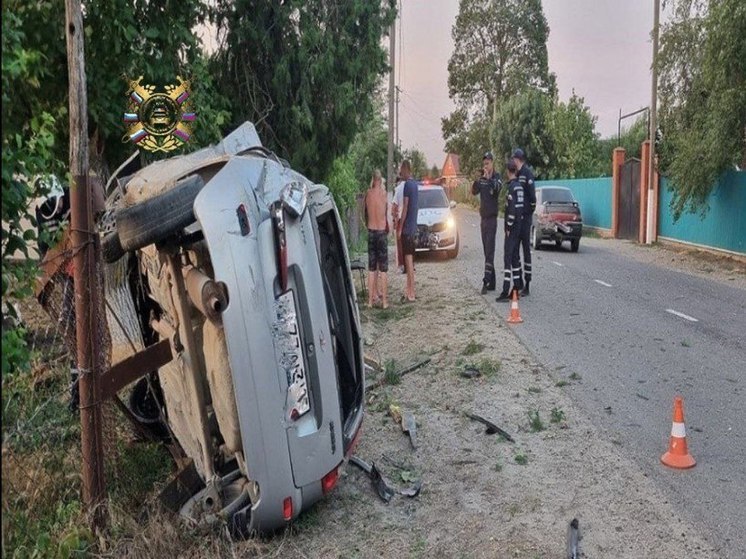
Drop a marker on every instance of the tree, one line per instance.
(574, 140)
(524, 121)
(500, 50)
(702, 66)
(417, 161)
(369, 149)
(303, 71)
(434, 172)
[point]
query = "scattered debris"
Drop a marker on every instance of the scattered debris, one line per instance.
(409, 426)
(395, 413)
(471, 372)
(491, 427)
(382, 484)
(607, 409)
(573, 537)
(642, 396)
(382, 381)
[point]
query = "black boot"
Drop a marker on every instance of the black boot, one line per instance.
(525, 292)
(503, 297)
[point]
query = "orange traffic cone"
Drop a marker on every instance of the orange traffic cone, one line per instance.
(678, 455)
(515, 314)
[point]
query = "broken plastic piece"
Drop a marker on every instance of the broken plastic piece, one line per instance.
(409, 426)
(573, 536)
(491, 427)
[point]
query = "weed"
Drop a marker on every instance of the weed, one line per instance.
(561, 383)
(558, 416)
(534, 390)
(575, 376)
(521, 459)
(685, 343)
(535, 421)
(514, 509)
(498, 467)
(394, 312)
(389, 373)
(472, 348)
(487, 366)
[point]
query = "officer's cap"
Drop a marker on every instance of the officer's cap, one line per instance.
(518, 154)
(488, 155)
(511, 166)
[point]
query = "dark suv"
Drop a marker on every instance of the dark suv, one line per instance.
(557, 218)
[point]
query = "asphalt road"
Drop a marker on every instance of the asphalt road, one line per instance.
(637, 335)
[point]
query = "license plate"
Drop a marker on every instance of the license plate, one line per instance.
(287, 338)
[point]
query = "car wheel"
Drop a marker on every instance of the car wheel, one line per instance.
(111, 248)
(453, 253)
(159, 217)
(575, 245)
(557, 243)
(535, 240)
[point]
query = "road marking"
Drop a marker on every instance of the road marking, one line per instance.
(557, 264)
(682, 315)
(603, 283)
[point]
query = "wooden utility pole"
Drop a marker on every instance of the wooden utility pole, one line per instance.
(87, 308)
(652, 203)
(390, 171)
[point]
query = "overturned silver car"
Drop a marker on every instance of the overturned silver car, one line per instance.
(241, 264)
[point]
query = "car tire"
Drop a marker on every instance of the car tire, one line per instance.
(575, 245)
(159, 217)
(111, 248)
(535, 240)
(453, 253)
(558, 243)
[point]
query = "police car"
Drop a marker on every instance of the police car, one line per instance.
(436, 225)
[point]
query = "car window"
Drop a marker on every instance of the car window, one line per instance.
(556, 195)
(432, 198)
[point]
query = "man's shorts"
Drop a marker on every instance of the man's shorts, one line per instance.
(408, 244)
(378, 251)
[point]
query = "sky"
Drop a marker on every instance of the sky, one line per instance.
(601, 49)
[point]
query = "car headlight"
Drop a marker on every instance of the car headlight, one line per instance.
(450, 223)
(294, 198)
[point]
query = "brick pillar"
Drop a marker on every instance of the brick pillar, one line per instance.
(644, 163)
(617, 160)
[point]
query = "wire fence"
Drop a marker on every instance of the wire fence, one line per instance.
(43, 466)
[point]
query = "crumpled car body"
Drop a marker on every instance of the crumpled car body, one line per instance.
(265, 388)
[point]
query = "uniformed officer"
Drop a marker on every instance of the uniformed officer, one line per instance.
(514, 216)
(526, 178)
(488, 187)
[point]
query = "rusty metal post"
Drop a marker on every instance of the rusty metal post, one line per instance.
(87, 309)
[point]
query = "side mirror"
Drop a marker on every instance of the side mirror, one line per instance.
(452, 204)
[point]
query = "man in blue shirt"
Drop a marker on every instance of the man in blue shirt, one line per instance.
(408, 226)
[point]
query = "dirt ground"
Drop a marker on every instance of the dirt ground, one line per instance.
(481, 496)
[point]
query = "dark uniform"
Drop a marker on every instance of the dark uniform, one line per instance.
(515, 203)
(526, 178)
(488, 190)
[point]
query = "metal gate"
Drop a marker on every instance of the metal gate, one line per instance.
(629, 200)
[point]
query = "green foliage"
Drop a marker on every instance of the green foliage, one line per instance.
(390, 374)
(472, 348)
(521, 459)
(571, 127)
(631, 140)
(303, 71)
(342, 182)
(558, 416)
(418, 162)
(524, 121)
(702, 92)
(369, 150)
(500, 50)
(535, 421)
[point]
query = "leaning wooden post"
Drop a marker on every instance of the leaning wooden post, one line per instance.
(85, 255)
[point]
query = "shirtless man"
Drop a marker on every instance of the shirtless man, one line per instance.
(376, 205)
